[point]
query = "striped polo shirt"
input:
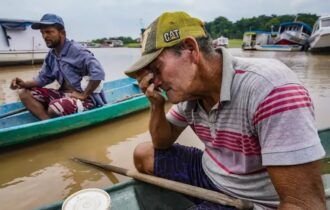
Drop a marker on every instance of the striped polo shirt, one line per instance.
(265, 117)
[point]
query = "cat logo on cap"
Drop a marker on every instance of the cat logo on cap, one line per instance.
(171, 35)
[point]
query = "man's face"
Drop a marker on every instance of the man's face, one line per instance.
(174, 74)
(52, 36)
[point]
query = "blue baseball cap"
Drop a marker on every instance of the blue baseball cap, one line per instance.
(48, 20)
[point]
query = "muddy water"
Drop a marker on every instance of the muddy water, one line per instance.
(42, 173)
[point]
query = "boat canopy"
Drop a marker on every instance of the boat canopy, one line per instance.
(15, 24)
(299, 24)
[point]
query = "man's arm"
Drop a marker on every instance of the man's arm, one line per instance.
(91, 86)
(163, 133)
(299, 186)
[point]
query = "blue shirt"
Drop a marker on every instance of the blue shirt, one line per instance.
(73, 63)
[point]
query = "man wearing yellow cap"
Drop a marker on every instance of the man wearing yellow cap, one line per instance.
(254, 117)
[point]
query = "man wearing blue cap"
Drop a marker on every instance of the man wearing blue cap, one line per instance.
(69, 64)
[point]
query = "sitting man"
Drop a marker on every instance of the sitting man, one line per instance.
(254, 117)
(70, 65)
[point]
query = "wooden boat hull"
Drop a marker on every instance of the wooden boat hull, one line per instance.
(134, 195)
(22, 57)
(123, 96)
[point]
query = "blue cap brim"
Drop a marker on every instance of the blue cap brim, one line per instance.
(40, 24)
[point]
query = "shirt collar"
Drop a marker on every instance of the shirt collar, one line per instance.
(227, 74)
(64, 50)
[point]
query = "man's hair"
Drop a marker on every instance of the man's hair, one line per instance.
(59, 27)
(204, 44)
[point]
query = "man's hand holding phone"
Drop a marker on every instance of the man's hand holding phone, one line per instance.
(149, 88)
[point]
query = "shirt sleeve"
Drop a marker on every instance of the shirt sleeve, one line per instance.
(176, 116)
(45, 75)
(93, 66)
(286, 129)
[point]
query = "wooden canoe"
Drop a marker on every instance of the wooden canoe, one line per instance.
(135, 195)
(325, 139)
(123, 96)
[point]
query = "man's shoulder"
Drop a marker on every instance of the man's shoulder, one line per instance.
(76, 45)
(266, 69)
(76, 49)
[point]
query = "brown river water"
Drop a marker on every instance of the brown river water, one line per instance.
(42, 173)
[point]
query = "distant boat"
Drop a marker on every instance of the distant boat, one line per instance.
(19, 43)
(252, 39)
(293, 33)
(279, 47)
(320, 38)
(220, 42)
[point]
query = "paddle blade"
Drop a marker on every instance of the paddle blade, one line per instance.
(104, 166)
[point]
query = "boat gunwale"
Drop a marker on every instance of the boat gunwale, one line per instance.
(68, 117)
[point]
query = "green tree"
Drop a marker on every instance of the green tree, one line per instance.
(220, 26)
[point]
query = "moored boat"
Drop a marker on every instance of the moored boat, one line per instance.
(221, 42)
(293, 33)
(123, 97)
(278, 47)
(320, 38)
(19, 43)
(253, 39)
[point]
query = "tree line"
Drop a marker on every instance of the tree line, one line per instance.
(125, 39)
(221, 26)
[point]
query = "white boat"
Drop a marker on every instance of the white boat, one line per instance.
(19, 43)
(252, 39)
(221, 42)
(279, 47)
(320, 38)
(293, 33)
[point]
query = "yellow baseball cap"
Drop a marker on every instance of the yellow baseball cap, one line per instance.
(167, 30)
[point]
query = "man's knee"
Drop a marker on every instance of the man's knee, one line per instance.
(24, 94)
(144, 157)
(61, 107)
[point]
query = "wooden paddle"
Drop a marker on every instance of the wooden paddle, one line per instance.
(186, 189)
(13, 112)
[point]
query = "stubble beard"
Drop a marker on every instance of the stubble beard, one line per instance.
(53, 44)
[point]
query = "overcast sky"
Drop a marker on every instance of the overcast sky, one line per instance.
(91, 19)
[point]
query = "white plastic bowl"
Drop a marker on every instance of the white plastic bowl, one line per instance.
(88, 199)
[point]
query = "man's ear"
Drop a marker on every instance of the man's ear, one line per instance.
(191, 44)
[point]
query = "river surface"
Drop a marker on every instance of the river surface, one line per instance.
(42, 173)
